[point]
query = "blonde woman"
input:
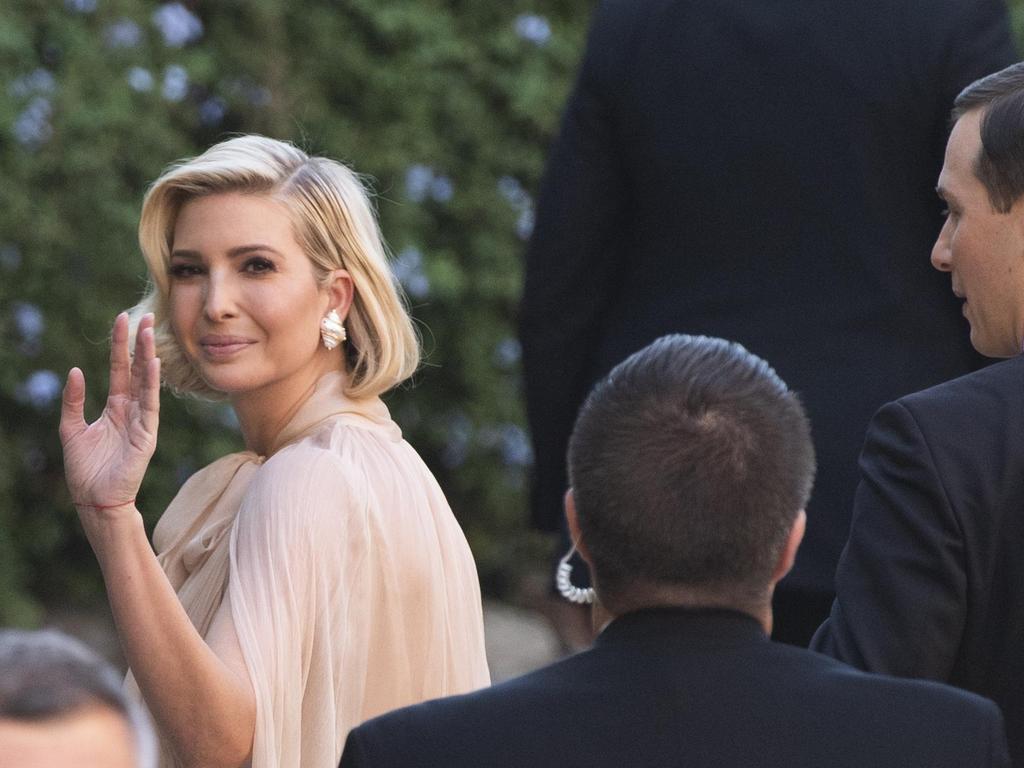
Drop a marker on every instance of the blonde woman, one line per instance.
(319, 577)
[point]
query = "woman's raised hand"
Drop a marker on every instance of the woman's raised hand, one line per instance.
(104, 462)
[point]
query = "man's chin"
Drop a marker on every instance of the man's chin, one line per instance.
(989, 348)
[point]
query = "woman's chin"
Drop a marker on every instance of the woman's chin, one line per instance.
(228, 383)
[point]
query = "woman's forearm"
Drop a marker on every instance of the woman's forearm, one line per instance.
(203, 706)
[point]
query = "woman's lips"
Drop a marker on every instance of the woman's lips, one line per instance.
(221, 347)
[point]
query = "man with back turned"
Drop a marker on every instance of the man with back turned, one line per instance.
(690, 466)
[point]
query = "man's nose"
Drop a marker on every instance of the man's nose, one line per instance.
(941, 253)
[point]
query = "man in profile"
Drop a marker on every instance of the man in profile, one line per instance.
(931, 583)
(61, 705)
(690, 466)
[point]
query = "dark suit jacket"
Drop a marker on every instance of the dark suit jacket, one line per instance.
(701, 689)
(763, 172)
(931, 583)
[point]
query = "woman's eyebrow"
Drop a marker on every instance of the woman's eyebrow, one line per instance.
(238, 250)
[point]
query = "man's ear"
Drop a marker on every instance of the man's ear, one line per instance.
(573, 523)
(788, 554)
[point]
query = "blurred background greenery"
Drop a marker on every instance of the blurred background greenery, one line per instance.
(448, 105)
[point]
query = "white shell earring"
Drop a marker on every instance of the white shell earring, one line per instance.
(332, 332)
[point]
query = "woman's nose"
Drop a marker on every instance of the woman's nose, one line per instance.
(220, 301)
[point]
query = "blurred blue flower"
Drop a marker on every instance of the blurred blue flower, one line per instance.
(259, 95)
(178, 25)
(175, 86)
(508, 352)
(515, 446)
(80, 6)
(524, 224)
(140, 79)
(418, 179)
(212, 111)
(410, 258)
(40, 389)
(407, 268)
(38, 81)
(10, 257)
(442, 189)
(533, 28)
(123, 33)
(32, 127)
(510, 189)
(418, 286)
(28, 319)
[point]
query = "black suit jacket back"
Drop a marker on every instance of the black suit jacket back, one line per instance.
(763, 172)
(702, 689)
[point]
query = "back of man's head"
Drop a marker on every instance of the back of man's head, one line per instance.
(1000, 162)
(689, 465)
(59, 701)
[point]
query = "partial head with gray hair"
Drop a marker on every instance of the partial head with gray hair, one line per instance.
(60, 701)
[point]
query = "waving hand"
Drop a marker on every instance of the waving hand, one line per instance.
(104, 462)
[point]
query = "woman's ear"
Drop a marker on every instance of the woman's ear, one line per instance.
(340, 292)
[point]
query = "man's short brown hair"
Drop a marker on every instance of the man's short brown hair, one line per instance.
(689, 463)
(1000, 161)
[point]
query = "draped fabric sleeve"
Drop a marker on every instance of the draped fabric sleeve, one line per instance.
(296, 554)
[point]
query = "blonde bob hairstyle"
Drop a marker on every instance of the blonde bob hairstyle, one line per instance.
(335, 226)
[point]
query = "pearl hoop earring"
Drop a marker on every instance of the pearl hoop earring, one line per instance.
(574, 594)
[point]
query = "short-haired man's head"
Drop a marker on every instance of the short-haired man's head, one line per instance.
(47, 676)
(1000, 162)
(689, 464)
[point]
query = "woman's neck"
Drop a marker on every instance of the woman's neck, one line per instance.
(264, 412)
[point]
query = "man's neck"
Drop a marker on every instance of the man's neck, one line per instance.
(640, 597)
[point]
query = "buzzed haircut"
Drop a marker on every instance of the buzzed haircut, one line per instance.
(1000, 161)
(689, 463)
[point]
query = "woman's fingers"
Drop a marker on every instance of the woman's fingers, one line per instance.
(120, 361)
(149, 398)
(72, 409)
(145, 350)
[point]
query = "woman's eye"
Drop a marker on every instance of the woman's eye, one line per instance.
(184, 270)
(258, 266)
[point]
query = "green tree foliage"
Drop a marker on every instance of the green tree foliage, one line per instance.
(448, 106)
